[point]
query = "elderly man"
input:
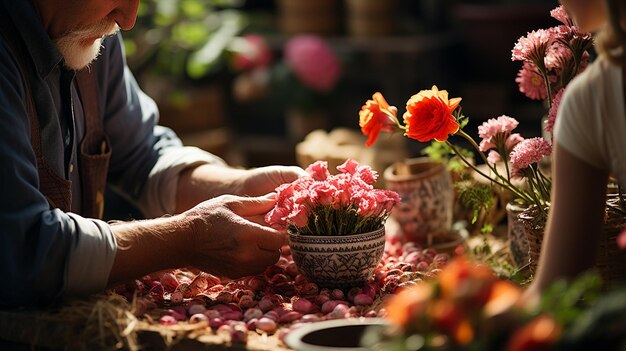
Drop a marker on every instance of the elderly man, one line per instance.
(74, 120)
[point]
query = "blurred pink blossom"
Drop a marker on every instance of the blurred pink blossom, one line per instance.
(252, 52)
(313, 62)
(621, 239)
(561, 15)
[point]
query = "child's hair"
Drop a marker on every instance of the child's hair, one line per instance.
(611, 41)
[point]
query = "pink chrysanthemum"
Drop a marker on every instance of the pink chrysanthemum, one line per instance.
(495, 129)
(532, 47)
(530, 82)
(554, 108)
(313, 62)
(529, 151)
(561, 15)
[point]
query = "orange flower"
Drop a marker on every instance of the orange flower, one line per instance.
(376, 116)
(539, 334)
(462, 280)
(408, 305)
(429, 116)
(504, 296)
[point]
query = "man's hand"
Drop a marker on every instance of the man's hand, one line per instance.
(230, 238)
(209, 181)
(225, 236)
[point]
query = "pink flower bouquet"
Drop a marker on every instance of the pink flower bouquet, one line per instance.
(332, 205)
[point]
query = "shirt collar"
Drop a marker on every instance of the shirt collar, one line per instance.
(42, 51)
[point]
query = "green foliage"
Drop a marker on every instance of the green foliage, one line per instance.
(567, 301)
(476, 197)
(186, 39)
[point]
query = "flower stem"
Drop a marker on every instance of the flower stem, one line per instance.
(508, 186)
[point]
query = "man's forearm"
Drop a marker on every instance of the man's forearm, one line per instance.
(204, 182)
(147, 246)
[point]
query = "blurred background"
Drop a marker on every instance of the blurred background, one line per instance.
(248, 80)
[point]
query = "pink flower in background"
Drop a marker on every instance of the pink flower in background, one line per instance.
(313, 62)
(621, 240)
(252, 52)
(529, 151)
(561, 15)
(530, 82)
(532, 47)
(554, 108)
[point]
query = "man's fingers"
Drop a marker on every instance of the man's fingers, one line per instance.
(252, 206)
(271, 240)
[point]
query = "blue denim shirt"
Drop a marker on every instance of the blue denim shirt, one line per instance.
(46, 253)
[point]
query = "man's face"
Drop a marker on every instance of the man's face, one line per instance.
(77, 27)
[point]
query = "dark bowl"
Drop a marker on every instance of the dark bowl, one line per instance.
(339, 334)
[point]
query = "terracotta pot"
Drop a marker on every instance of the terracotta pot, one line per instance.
(338, 261)
(426, 192)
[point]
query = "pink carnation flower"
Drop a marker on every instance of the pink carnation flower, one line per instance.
(528, 152)
(561, 15)
(554, 108)
(532, 47)
(313, 62)
(494, 129)
(318, 170)
(530, 82)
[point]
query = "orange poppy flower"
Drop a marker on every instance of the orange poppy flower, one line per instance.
(376, 116)
(429, 116)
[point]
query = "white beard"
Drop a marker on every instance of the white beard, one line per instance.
(75, 47)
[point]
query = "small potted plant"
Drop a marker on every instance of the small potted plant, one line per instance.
(336, 223)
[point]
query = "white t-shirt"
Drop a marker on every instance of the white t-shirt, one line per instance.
(591, 122)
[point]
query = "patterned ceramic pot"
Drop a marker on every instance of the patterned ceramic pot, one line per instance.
(427, 197)
(516, 232)
(338, 261)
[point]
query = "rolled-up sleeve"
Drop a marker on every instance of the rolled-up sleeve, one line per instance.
(90, 256)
